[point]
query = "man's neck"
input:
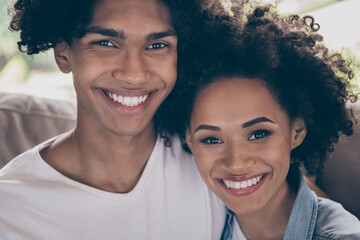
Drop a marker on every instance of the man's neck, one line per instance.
(102, 159)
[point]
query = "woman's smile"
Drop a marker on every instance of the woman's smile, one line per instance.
(241, 141)
(240, 186)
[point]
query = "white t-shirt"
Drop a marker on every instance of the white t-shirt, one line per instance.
(170, 202)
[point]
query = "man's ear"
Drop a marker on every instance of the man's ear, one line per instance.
(298, 132)
(62, 56)
(188, 138)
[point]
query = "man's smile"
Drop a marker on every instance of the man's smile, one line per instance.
(126, 100)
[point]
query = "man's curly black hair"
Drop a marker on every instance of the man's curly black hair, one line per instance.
(288, 54)
(43, 23)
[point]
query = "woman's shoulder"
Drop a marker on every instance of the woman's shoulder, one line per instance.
(334, 222)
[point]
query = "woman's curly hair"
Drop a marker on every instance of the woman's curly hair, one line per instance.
(288, 54)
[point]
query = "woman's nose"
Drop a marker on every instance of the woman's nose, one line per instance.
(239, 159)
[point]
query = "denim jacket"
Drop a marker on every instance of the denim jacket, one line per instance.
(312, 217)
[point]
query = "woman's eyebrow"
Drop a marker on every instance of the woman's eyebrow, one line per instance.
(108, 32)
(244, 125)
(255, 121)
(207, 127)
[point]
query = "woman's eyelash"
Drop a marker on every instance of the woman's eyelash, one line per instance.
(211, 140)
(258, 134)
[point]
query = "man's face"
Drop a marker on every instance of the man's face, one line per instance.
(124, 66)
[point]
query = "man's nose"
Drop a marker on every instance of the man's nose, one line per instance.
(239, 159)
(132, 68)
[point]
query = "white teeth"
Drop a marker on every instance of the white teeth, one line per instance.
(135, 101)
(254, 181)
(128, 101)
(242, 184)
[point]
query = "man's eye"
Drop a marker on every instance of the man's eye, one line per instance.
(259, 134)
(157, 46)
(211, 140)
(104, 43)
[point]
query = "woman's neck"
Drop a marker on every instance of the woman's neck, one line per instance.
(271, 221)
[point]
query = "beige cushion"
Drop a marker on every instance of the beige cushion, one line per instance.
(26, 121)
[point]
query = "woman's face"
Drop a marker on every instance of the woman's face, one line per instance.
(241, 140)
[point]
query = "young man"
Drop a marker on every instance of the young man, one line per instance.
(111, 177)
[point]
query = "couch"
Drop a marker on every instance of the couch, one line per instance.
(26, 121)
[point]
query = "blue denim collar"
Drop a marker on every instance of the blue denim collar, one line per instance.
(304, 213)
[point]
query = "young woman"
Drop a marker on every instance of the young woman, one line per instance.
(268, 99)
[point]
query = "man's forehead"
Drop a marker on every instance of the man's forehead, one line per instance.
(119, 18)
(118, 9)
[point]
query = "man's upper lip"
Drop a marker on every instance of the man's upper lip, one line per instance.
(128, 92)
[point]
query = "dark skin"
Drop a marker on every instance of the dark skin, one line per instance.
(87, 154)
(112, 140)
(247, 143)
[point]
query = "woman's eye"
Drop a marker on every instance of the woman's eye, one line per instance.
(211, 140)
(104, 43)
(157, 46)
(259, 134)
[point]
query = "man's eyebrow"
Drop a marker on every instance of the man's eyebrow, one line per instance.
(105, 32)
(255, 121)
(207, 127)
(158, 35)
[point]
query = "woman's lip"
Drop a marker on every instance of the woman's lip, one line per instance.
(243, 177)
(242, 191)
